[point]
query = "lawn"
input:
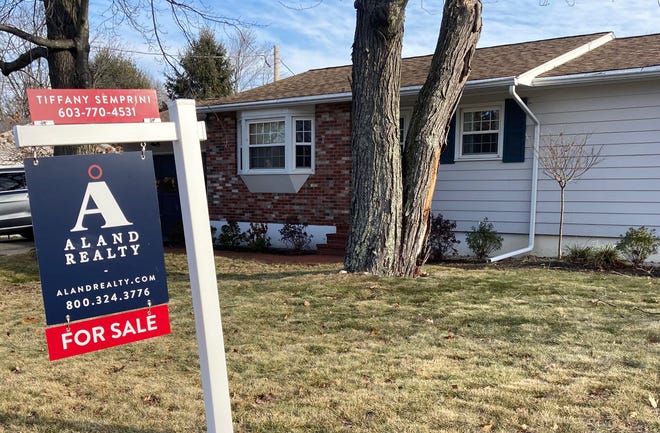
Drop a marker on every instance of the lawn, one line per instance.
(479, 349)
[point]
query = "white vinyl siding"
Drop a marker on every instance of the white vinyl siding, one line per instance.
(622, 191)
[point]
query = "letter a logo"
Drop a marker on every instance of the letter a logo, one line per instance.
(106, 206)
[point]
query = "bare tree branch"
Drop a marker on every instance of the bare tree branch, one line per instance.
(166, 55)
(23, 60)
(61, 44)
(301, 7)
(565, 159)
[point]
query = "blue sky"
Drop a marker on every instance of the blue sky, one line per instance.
(313, 34)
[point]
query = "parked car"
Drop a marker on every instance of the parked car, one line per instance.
(15, 216)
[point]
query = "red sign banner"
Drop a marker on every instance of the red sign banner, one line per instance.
(108, 331)
(76, 106)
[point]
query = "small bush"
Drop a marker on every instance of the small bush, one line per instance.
(256, 237)
(483, 240)
(295, 236)
(579, 254)
(230, 236)
(442, 238)
(638, 244)
(606, 257)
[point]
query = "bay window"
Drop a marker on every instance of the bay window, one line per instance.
(276, 149)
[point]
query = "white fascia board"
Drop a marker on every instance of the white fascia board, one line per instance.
(526, 78)
(488, 83)
(254, 105)
(504, 82)
(651, 72)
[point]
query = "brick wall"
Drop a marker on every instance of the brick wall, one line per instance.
(323, 200)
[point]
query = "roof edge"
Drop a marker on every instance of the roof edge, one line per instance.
(254, 105)
(647, 72)
(526, 78)
(487, 83)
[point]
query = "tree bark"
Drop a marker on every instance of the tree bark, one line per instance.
(376, 192)
(68, 68)
(560, 241)
(427, 134)
(391, 200)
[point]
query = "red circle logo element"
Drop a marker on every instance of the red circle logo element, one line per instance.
(95, 169)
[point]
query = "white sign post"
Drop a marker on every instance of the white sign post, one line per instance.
(185, 132)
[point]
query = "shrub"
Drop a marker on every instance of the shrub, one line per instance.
(580, 254)
(256, 237)
(606, 257)
(483, 240)
(638, 244)
(295, 236)
(230, 236)
(442, 238)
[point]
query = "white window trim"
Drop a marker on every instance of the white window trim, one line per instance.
(294, 144)
(458, 148)
(248, 146)
(289, 116)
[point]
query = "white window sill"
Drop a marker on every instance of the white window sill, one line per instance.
(479, 158)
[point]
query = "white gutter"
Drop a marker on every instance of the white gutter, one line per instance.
(648, 72)
(535, 177)
(339, 97)
(237, 106)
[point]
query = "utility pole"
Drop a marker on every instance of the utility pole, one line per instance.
(276, 63)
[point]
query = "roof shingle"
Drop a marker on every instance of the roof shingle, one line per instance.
(490, 62)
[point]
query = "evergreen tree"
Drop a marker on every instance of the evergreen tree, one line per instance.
(206, 70)
(111, 70)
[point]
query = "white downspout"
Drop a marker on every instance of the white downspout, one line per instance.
(535, 176)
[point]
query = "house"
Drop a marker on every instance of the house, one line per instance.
(282, 152)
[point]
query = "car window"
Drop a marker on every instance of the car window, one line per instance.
(12, 181)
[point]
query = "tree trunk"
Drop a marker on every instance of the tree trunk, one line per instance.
(68, 69)
(561, 222)
(427, 135)
(391, 201)
(375, 235)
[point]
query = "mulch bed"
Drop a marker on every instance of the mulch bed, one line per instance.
(313, 258)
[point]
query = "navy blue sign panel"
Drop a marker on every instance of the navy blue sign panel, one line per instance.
(97, 234)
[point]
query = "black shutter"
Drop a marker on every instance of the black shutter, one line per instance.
(515, 123)
(447, 155)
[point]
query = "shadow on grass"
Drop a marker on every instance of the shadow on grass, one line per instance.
(45, 424)
(274, 275)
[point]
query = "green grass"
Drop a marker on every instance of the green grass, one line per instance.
(311, 350)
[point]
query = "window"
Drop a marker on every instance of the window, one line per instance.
(267, 144)
(303, 137)
(276, 142)
(480, 132)
(12, 181)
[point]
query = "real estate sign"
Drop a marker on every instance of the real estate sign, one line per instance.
(75, 106)
(99, 246)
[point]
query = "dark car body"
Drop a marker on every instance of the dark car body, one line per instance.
(15, 216)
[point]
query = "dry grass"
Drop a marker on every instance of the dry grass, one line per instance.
(311, 350)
